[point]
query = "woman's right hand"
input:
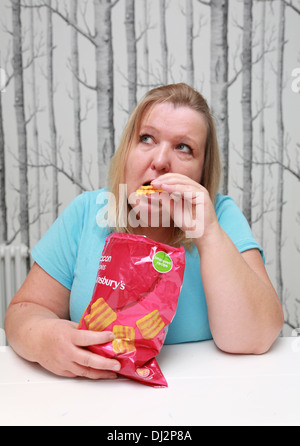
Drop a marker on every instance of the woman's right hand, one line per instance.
(63, 350)
(38, 329)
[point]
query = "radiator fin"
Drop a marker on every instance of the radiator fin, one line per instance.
(13, 270)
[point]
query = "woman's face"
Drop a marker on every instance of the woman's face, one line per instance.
(170, 140)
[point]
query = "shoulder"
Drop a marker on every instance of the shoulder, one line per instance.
(71, 221)
(227, 211)
(85, 203)
(235, 224)
(89, 198)
(75, 228)
(225, 203)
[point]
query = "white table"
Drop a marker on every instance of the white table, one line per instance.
(205, 387)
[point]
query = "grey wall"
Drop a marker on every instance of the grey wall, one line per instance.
(79, 89)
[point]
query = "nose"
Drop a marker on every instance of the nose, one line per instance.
(161, 159)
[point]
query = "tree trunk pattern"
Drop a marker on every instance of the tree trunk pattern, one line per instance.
(35, 136)
(219, 81)
(51, 111)
(76, 97)
(21, 123)
(163, 41)
(104, 87)
(3, 206)
(190, 74)
(247, 110)
(131, 54)
(280, 149)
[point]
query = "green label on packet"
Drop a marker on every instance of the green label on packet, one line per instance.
(162, 262)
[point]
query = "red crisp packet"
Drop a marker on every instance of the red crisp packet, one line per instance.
(135, 297)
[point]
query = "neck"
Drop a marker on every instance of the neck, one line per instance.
(162, 235)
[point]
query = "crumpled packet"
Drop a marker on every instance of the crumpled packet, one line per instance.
(135, 296)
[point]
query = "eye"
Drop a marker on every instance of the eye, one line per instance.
(146, 139)
(184, 148)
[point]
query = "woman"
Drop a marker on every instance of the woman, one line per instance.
(170, 142)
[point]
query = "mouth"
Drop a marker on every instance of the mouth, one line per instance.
(147, 183)
(147, 189)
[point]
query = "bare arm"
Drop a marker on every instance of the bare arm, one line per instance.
(245, 314)
(38, 329)
(244, 311)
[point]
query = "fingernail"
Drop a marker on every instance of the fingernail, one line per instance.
(112, 375)
(117, 367)
(111, 336)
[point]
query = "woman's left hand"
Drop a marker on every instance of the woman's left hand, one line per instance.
(191, 208)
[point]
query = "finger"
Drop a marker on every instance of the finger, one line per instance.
(172, 178)
(179, 187)
(94, 361)
(86, 372)
(183, 188)
(167, 177)
(84, 338)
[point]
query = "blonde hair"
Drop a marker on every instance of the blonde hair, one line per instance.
(179, 95)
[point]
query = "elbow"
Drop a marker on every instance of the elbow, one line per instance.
(254, 337)
(258, 344)
(269, 336)
(244, 348)
(7, 322)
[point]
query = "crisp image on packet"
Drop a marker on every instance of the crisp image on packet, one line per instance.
(135, 296)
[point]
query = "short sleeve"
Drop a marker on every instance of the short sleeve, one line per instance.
(56, 252)
(235, 224)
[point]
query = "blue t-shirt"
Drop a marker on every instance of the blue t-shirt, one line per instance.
(70, 252)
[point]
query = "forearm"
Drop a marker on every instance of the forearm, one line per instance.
(244, 312)
(38, 328)
(24, 325)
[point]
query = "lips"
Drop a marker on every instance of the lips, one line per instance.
(147, 183)
(148, 190)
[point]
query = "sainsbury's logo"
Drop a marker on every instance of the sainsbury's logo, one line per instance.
(114, 284)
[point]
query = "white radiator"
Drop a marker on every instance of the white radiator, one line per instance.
(13, 270)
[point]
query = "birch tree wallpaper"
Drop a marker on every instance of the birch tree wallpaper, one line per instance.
(71, 71)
